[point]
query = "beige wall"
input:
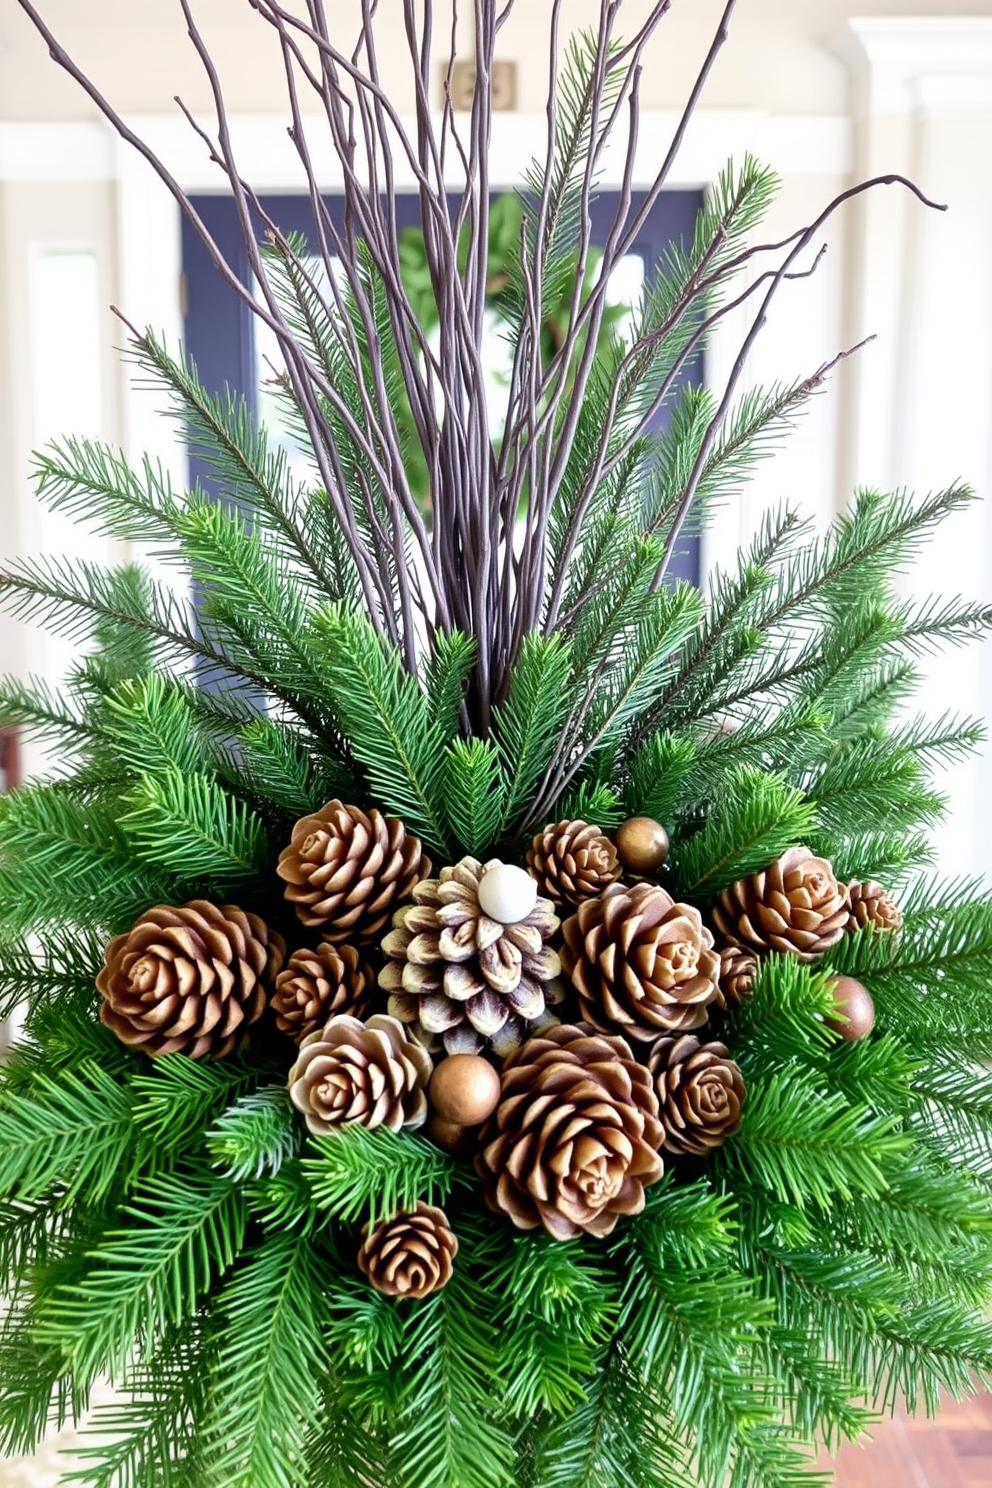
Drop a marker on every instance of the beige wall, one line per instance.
(780, 57)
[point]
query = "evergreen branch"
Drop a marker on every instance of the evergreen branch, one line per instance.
(555, 1311)
(184, 1232)
(178, 1099)
(222, 434)
(447, 1433)
(809, 1147)
(385, 716)
(187, 824)
(58, 971)
(755, 819)
(72, 1135)
(377, 1173)
(271, 1358)
(527, 724)
(474, 795)
(255, 1135)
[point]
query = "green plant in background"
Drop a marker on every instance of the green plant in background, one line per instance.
(757, 1216)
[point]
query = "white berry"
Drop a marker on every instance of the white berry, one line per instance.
(506, 894)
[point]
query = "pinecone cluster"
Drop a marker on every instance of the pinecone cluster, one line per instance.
(548, 1023)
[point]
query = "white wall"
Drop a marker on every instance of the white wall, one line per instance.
(822, 89)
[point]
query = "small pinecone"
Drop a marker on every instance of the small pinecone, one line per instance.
(314, 985)
(409, 1255)
(700, 1092)
(873, 906)
(737, 969)
(366, 1074)
(641, 964)
(453, 972)
(189, 979)
(574, 1140)
(572, 861)
(794, 905)
(346, 870)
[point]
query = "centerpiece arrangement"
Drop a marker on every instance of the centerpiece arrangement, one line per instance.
(490, 1021)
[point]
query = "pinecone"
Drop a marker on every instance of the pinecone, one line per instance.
(452, 971)
(795, 905)
(345, 870)
(737, 969)
(873, 906)
(572, 861)
(700, 1092)
(641, 964)
(189, 979)
(370, 1074)
(574, 1140)
(409, 1255)
(314, 985)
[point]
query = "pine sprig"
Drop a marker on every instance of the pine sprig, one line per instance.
(377, 1173)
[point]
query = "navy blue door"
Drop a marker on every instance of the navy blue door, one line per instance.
(219, 327)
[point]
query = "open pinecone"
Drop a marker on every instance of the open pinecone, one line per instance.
(409, 1255)
(370, 1074)
(641, 964)
(345, 870)
(795, 905)
(873, 906)
(316, 984)
(572, 861)
(737, 969)
(700, 1092)
(452, 971)
(575, 1137)
(189, 979)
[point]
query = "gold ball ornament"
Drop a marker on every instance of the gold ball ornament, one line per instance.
(855, 1016)
(641, 844)
(464, 1090)
(457, 1141)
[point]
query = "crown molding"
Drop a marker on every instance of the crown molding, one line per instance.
(906, 64)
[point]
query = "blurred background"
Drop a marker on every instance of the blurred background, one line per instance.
(825, 91)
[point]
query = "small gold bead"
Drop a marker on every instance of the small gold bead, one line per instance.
(855, 1016)
(641, 844)
(464, 1089)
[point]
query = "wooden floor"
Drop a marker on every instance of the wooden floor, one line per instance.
(953, 1451)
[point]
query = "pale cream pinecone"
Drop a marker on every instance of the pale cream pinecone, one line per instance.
(454, 973)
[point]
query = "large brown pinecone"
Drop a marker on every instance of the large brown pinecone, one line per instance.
(452, 971)
(572, 861)
(873, 906)
(366, 1074)
(346, 870)
(411, 1254)
(316, 984)
(700, 1092)
(794, 905)
(737, 969)
(189, 979)
(641, 964)
(574, 1140)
